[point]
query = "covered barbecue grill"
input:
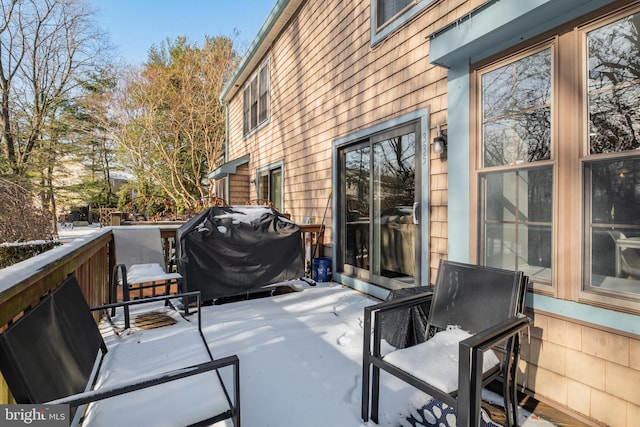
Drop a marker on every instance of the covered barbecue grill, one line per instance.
(228, 251)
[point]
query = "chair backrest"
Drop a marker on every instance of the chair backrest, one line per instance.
(51, 350)
(138, 245)
(475, 297)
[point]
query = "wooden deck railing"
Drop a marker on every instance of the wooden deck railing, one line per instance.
(24, 284)
(312, 244)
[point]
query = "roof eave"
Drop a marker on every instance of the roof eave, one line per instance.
(273, 25)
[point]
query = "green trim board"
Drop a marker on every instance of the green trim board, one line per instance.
(500, 24)
(229, 168)
(419, 114)
(616, 320)
(362, 286)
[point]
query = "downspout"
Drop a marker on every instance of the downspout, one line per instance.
(210, 175)
(227, 188)
(226, 132)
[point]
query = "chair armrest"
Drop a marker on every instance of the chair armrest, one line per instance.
(404, 302)
(470, 362)
(496, 334)
(150, 381)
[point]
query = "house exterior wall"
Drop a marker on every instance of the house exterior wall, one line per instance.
(329, 82)
(587, 368)
(582, 354)
(239, 186)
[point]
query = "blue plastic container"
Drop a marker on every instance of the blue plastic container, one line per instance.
(321, 269)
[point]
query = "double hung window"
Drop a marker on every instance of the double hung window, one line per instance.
(611, 166)
(256, 100)
(558, 162)
(516, 174)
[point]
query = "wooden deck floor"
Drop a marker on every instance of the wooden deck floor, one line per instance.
(554, 415)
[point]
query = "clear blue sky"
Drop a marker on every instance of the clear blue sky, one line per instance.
(135, 25)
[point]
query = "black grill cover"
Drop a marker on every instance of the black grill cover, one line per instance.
(227, 251)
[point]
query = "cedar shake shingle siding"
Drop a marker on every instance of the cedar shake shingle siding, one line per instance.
(328, 81)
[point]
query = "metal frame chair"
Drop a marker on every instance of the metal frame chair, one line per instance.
(54, 352)
(140, 264)
(483, 301)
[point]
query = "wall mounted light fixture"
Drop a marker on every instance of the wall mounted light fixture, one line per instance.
(440, 144)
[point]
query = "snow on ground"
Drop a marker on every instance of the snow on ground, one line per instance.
(300, 360)
(66, 234)
(69, 233)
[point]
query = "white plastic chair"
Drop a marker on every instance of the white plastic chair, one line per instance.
(627, 257)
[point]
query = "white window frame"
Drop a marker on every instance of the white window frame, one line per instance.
(256, 99)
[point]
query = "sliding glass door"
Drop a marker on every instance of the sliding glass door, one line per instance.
(379, 208)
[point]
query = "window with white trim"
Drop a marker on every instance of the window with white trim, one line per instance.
(256, 100)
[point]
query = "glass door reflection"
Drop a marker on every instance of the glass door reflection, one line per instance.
(395, 222)
(379, 213)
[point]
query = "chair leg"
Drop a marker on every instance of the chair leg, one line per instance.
(514, 399)
(125, 297)
(469, 397)
(366, 369)
(506, 392)
(167, 290)
(113, 296)
(509, 386)
(375, 397)
(113, 292)
(514, 381)
(366, 365)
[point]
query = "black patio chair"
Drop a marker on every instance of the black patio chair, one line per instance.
(476, 314)
(54, 353)
(140, 265)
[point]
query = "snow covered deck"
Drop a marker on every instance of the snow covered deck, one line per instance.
(301, 361)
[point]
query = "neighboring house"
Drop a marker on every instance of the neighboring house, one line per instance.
(539, 102)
